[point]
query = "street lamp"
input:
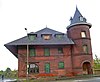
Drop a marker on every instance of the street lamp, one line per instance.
(27, 78)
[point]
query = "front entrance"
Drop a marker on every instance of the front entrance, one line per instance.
(87, 69)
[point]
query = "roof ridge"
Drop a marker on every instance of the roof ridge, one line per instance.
(46, 28)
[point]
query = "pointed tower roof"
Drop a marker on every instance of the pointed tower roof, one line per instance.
(78, 19)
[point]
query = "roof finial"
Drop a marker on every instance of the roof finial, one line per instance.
(76, 7)
(71, 18)
(46, 26)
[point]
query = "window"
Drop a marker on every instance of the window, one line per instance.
(46, 51)
(32, 52)
(81, 18)
(33, 68)
(83, 34)
(60, 50)
(46, 37)
(61, 65)
(59, 36)
(85, 48)
(32, 37)
(47, 68)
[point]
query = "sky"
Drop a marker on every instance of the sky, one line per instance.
(15, 15)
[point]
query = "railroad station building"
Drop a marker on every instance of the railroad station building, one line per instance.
(53, 53)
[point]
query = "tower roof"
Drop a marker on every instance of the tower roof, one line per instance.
(78, 19)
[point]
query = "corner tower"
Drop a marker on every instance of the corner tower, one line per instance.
(79, 32)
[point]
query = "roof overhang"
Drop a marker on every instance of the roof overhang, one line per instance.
(75, 24)
(12, 49)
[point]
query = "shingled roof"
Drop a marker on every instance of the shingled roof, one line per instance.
(78, 19)
(12, 46)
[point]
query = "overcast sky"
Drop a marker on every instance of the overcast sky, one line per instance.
(15, 15)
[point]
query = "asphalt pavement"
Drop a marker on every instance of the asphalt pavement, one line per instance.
(8, 80)
(95, 79)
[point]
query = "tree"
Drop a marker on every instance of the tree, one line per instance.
(8, 72)
(96, 62)
(96, 59)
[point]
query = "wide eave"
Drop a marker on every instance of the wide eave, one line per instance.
(39, 41)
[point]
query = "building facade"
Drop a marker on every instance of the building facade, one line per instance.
(53, 53)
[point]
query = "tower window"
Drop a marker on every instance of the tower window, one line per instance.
(81, 18)
(85, 49)
(83, 34)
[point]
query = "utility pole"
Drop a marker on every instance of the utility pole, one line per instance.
(27, 78)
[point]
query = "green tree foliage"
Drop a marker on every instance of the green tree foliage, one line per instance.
(96, 62)
(8, 73)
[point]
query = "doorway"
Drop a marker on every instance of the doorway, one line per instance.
(87, 69)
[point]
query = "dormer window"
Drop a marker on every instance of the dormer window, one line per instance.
(59, 36)
(46, 36)
(83, 34)
(81, 18)
(32, 36)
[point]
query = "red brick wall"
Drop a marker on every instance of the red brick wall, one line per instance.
(73, 57)
(78, 55)
(40, 59)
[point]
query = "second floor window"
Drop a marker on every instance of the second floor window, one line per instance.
(46, 51)
(60, 50)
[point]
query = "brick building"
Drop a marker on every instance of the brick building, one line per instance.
(53, 53)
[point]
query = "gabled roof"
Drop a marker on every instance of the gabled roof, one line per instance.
(12, 46)
(78, 19)
(47, 31)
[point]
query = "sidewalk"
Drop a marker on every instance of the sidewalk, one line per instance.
(65, 81)
(8, 80)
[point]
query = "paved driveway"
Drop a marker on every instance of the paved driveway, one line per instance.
(81, 80)
(89, 80)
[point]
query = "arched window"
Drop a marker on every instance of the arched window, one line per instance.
(33, 68)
